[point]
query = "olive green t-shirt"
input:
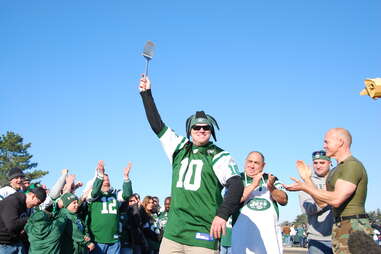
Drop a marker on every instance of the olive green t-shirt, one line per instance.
(350, 170)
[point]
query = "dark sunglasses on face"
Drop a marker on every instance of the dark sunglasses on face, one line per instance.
(198, 127)
(321, 153)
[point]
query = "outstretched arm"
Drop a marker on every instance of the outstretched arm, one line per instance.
(127, 185)
(305, 173)
(343, 190)
(152, 113)
(55, 191)
(98, 180)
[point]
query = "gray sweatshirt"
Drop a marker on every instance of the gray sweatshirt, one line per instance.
(320, 220)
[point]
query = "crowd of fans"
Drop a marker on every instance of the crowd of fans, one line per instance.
(34, 219)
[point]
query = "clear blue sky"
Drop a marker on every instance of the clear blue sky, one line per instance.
(275, 74)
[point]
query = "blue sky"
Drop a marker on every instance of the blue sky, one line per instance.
(275, 74)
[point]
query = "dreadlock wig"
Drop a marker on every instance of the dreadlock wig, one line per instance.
(201, 118)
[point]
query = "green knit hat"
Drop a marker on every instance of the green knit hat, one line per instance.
(67, 198)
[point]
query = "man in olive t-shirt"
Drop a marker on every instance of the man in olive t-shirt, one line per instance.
(346, 189)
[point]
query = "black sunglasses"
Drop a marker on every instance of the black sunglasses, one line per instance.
(320, 153)
(198, 127)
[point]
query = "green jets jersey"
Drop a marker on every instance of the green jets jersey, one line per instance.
(163, 219)
(226, 239)
(103, 211)
(198, 176)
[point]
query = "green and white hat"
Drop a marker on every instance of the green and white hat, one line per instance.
(67, 198)
(201, 118)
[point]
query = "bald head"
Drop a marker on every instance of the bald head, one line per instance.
(254, 163)
(337, 143)
(256, 152)
(342, 134)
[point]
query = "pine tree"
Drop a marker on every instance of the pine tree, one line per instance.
(375, 216)
(13, 153)
(301, 219)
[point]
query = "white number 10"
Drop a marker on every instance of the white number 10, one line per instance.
(190, 169)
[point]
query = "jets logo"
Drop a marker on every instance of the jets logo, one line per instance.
(259, 204)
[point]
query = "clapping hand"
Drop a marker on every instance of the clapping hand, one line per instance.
(304, 171)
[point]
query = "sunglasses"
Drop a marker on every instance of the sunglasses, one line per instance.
(320, 153)
(199, 127)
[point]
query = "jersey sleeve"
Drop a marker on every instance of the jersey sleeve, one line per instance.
(171, 142)
(96, 191)
(126, 192)
(224, 167)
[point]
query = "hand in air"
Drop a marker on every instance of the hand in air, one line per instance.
(127, 170)
(101, 167)
(144, 84)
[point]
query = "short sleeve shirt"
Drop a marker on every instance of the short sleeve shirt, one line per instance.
(350, 170)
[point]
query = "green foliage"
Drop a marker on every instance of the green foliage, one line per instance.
(301, 219)
(285, 223)
(13, 153)
(375, 216)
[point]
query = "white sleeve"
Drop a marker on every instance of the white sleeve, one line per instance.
(224, 167)
(171, 142)
(6, 191)
(48, 201)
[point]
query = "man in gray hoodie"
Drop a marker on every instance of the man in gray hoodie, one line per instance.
(320, 220)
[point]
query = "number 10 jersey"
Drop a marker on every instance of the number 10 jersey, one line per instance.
(198, 176)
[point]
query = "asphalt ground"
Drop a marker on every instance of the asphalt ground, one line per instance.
(294, 250)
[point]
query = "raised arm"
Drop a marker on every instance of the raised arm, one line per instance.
(98, 180)
(127, 185)
(69, 183)
(152, 113)
(55, 191)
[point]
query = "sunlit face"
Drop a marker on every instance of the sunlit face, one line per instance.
(133, 200)
(149, 205)
(331, 143)
(73, 206)
(200, 137)
(32, 200)
(16, 183)
(167, 204)
(26, 184)
(254, 164)
(321, 167)
(155, 204)
(106, 181)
